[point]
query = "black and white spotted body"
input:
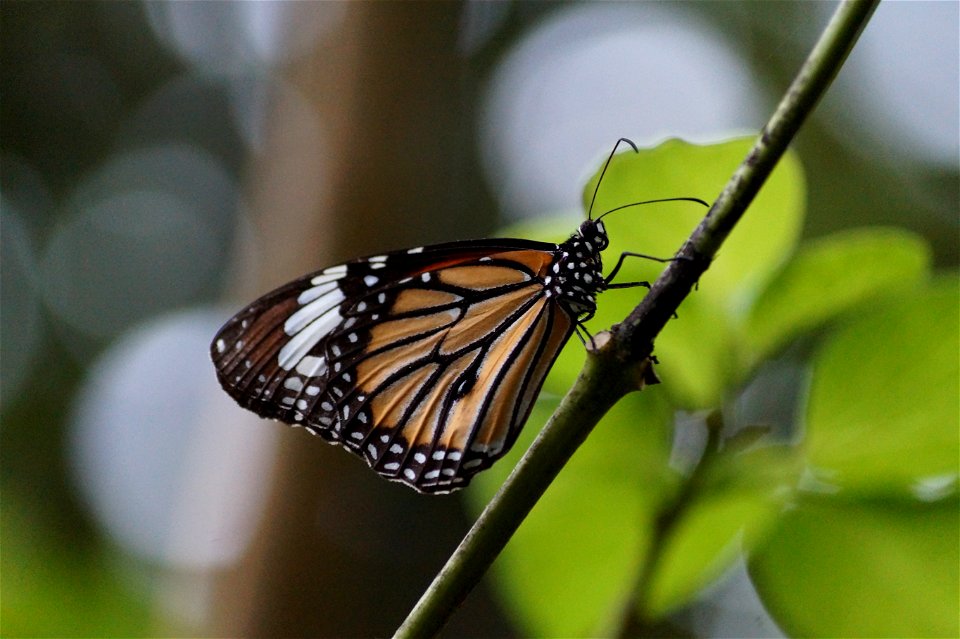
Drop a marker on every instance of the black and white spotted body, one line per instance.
(576, 275)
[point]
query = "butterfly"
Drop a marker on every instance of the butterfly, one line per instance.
(424, 362)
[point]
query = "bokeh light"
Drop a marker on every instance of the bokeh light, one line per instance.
(20, 322)
(173, 470)
(593, 73)
(881, 91)
(233, 38)
(146, 235)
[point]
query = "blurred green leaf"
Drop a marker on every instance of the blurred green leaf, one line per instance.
(54, 590)
(829, 276)
(737, 493)
(839, 568)
(576, 554)
(883, 410)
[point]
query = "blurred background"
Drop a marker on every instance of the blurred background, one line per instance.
(163, 163)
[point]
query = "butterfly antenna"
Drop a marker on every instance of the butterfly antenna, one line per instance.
(669, 199)
(596, 189)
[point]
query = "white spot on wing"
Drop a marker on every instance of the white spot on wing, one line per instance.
(370, 280)
(306, 337)
(419, 249)
(221, 346)
(326, 304)
(293, 383)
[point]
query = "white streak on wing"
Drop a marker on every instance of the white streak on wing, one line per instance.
(315, 309)
(412, 251)
(336, 271)
(377, 258)
(304, 341)
(313, 293)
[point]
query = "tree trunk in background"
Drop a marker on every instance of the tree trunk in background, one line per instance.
(339, 551)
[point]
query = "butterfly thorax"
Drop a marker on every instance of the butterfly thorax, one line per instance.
(576, 274)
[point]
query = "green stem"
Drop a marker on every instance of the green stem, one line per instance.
(603, 381)
(674, 284)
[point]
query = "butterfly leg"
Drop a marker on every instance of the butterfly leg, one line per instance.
(581, 327)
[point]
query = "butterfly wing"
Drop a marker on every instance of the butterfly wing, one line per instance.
(425, 363)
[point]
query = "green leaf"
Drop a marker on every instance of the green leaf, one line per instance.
(737, 493)
(883, 411)
(763, 239)
(698, 348)
(576, 554)
(829, 276)
(838, 568)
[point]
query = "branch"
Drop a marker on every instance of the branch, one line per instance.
(628, 347)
